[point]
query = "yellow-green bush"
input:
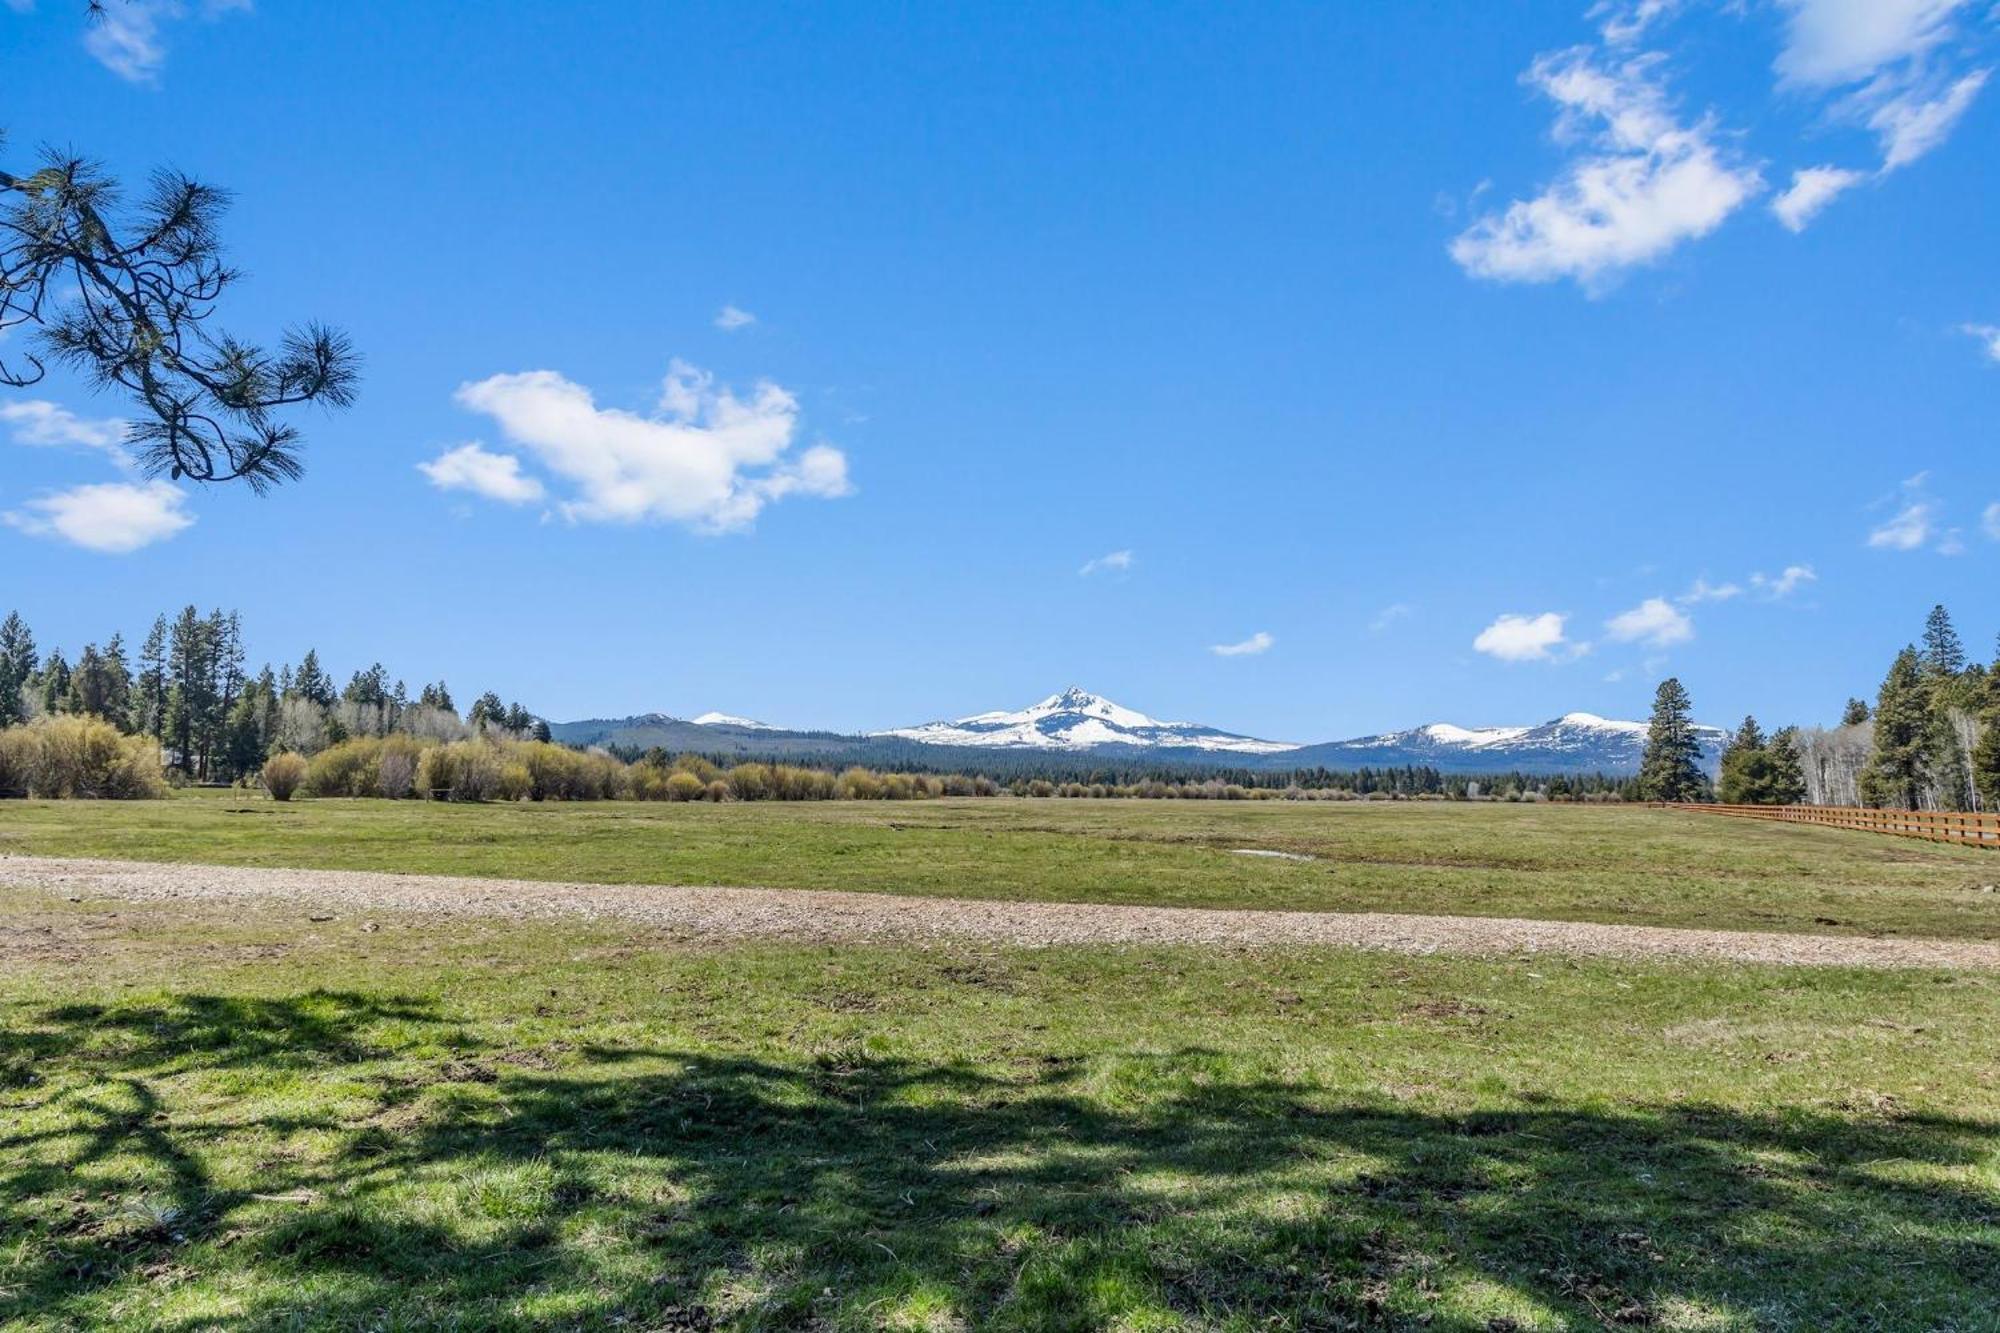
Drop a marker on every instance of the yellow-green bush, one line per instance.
(685, 786)
(459, 771)
(17, 761)
(351, 768)
(87, 758)
(282, 775)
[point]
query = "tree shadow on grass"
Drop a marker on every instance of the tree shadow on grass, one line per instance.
(584, 1187)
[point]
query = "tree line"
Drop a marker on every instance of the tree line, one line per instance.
(1930, 741)
(188, 690)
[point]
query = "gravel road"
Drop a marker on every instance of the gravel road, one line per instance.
(727, 913)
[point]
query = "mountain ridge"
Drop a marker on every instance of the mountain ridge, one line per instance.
(1076, 723)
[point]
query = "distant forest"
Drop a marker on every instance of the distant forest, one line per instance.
(185, 706)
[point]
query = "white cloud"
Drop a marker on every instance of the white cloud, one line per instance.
(1910, 125)
(1784, 584)
(1389, 615)
(1640, 185)
(1916, 520)
(1114, 562)
(1989, 522)
(1655, 622)
(1625, 21)
(39, 422)
(731, 318)
(471, 468)
(705, 458)
(1701, 590)
(1515, 638)
(1812, 189)
(1986, 333)
(1259, 642)
(1833, 42)
(125, 38)
(114, 517)
(1907, 529)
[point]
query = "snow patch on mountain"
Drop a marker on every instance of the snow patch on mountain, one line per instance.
(1079, 720)
(731, 720)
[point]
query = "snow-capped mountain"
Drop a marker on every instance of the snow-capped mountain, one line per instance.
(731, 720)
(1079, 720)
(1574, 742)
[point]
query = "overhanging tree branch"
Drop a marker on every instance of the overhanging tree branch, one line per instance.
(124, 300)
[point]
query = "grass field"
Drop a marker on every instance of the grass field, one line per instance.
(1565, 862)
(238, 1117)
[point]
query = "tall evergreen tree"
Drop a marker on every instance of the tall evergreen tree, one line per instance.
(1855, 713)
(1671, 767)
(53, 684)
(149, 703)
(1895, 775)
(1943, 654)
(311, 683)
(1788, 769)
(17, 668)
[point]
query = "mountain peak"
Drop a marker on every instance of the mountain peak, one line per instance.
(1076, 719)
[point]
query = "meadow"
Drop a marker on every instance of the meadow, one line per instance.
(259, 1116)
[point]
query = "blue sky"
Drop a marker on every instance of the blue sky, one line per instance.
(1450, 362)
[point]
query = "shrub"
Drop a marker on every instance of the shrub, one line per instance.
(684, 786)
(282, 775)
(750, 782)
(718, 791)
(351, 768)
(17, 761)
(396, 773)
(84, 758)
(858, 784)
(459, 771)
(515, 781)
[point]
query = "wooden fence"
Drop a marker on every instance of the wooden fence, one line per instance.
(1932, 825)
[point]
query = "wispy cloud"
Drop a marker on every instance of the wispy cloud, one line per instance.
(1786, 582)
(114, 518)
(1260, 642)
(51, 425)
(1655, 622)
(1701, 590)
(731, 318)
(1989, 522)
(1914, 520)
(1812, 189)
(1639, 183)
(1114, 562)
(1389, 615)
(1988, 334)
(1642, 179)
(125, 36)
(470, 467)
(1527, 638)
(705, 457)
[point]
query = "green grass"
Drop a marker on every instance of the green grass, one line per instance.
(234, 1117)
(1563, 862)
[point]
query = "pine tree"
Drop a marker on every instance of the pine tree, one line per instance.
(311, 683)
(1671, 768)
(1986, 757)
(1894, 778)
(53, 684)
(1746, 767)
(1855, 713)
(1943, 654)
(17, 668)
(149, 702)
(1788, 770)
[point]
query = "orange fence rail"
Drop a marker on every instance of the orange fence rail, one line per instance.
(1932, 825)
